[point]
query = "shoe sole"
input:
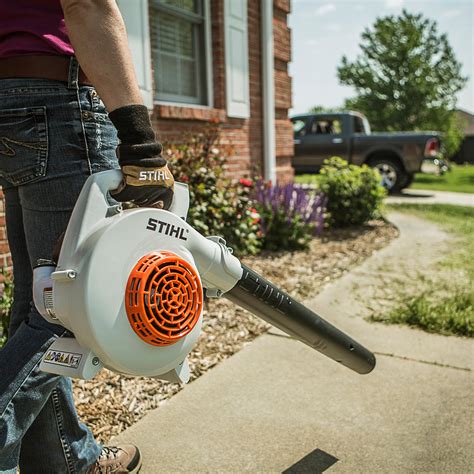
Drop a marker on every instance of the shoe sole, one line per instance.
(138, 467)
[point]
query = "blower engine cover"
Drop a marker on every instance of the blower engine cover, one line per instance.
(126, 285)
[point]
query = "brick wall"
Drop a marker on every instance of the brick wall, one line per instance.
(245, 135)
(5, 257)
(284, 129)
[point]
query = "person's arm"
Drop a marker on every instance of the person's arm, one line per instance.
(97, 33)
(98, 36)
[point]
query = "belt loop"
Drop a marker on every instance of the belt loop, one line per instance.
(73, 74)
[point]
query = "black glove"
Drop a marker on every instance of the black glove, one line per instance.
(147, 181)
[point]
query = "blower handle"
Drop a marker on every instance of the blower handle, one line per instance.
(104, 182)
(107, 181)
(92, 207)
(94, 204)
(265, 300)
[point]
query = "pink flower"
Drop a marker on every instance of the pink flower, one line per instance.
(254, 215)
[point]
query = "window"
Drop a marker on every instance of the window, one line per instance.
(326, 127)
(299, 126)
(358, 125)
(180, 50)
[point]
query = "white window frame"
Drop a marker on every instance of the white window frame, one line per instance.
(208, 67)
(135, 16)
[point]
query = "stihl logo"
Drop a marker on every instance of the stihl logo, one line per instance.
(167, 228)
(153, 176)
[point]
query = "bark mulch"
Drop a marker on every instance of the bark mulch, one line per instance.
(110, 403)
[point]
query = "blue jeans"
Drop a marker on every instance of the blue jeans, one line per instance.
(53, 135)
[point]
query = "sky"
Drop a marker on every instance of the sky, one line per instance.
(324, 31)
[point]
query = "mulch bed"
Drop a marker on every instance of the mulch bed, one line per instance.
(110, 403)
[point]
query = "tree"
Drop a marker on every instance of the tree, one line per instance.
(321, 109)
(406, 78)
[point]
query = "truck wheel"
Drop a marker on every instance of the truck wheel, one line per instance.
(392, 174)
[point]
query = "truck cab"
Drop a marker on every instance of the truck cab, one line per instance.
(320, 136)
(396, 155)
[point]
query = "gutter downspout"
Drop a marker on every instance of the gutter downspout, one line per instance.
(269, 159)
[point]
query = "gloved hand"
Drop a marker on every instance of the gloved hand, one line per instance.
(147, 181)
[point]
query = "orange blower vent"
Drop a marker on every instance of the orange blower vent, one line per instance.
(163, 298)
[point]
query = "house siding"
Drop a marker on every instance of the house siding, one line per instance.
(245, 136)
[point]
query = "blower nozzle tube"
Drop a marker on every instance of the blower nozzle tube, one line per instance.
(262, 298)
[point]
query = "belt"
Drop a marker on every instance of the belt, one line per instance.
(55, 68)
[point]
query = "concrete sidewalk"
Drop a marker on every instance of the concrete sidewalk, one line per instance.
(278, 406)
(422, 196)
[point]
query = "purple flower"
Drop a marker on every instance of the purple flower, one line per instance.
(293, 201)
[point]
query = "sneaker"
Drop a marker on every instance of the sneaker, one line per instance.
(117, 460)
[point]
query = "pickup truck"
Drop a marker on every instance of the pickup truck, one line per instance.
(397, 156)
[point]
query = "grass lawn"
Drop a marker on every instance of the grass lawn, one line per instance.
(445, 306)
(460, 179)
(306, 178)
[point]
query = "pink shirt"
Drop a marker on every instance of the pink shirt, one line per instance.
(32, 27)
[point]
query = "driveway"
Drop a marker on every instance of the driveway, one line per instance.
(419, 196)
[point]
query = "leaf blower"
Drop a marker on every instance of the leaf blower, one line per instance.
(130, 284)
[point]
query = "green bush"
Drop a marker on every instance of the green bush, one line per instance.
(218, 206)
(281, 236)
(6, 300)
(354, 193)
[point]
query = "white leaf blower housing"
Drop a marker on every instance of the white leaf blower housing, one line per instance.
(129, 286)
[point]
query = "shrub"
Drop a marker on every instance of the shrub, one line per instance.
(354, 193)
(218, 206)
(289, 215)
(6, 300)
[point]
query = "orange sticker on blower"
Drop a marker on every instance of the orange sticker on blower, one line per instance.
(163, 298)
